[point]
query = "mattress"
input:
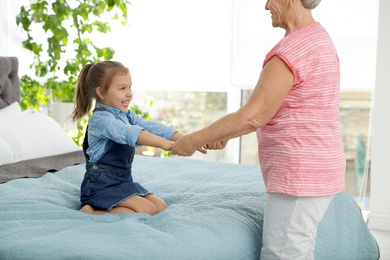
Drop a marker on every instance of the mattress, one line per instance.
(215, 212)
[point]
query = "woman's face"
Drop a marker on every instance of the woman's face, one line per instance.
(278, 10)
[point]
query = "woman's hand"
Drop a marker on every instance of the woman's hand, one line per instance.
(185, 146)
(177, 135)
(216, 145)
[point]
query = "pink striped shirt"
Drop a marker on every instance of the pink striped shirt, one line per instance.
(301, 150)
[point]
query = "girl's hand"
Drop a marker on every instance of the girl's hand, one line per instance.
(202, 150)
(166, 145)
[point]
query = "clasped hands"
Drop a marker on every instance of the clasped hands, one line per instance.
(186, 146)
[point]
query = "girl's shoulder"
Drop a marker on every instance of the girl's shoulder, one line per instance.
(99, 116)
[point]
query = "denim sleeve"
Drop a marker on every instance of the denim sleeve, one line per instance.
(105, 126)
(153, 127)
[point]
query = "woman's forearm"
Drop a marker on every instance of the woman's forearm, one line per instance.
(225, 128)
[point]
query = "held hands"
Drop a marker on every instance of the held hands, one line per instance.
(216, 145)
(185, 146)
(166, 145)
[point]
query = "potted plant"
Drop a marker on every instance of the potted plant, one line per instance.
(59, 36)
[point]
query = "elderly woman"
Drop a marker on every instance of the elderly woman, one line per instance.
(295, 110)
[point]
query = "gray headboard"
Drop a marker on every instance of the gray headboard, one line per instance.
(9, 81)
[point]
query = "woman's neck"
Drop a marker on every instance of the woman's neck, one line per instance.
(300, 18)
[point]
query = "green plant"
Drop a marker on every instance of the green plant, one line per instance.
(148, 102)
(79, 133)
(59, 36)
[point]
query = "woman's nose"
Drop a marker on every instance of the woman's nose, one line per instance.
(266, 5)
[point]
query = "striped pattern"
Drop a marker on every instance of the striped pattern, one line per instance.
(301, 150)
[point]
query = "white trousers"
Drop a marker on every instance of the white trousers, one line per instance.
(290, 226)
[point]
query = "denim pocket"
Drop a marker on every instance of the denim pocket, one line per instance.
(96, 176)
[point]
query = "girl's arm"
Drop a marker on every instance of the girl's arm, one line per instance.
(148, 139)
(176, 136)
(153, 127)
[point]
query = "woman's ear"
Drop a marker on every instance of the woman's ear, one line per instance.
(100, 93)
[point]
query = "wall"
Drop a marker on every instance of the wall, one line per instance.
(11, 35)
(3, 28)
(379, 217)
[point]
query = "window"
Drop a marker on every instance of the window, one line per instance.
(187, 111)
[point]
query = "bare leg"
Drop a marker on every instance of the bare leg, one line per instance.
(158, 202)
(115, 210)
(139, 205)
(150, 204)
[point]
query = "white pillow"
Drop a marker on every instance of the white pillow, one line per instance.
(35, 135)
(10, 111)
(13, 110)
(6, 153)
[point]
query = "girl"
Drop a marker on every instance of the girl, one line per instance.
(112, 134)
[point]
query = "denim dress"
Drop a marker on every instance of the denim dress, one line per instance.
(108, 181)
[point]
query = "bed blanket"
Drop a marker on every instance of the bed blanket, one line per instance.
(37, 167)
(215, 212)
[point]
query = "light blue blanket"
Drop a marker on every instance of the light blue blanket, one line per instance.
(215, 212)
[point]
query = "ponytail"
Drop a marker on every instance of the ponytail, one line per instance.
(83, 96)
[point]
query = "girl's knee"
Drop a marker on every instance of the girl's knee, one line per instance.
(161, 207)
(150, 209)
(157, 208)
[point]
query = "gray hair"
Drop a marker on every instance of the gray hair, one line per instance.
(310, 4)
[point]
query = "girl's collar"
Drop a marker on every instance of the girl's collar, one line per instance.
(110, 109)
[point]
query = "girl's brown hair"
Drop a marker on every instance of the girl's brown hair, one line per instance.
(91, 77)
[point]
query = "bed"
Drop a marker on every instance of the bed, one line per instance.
(215, 209)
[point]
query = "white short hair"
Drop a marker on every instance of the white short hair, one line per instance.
(310, 4)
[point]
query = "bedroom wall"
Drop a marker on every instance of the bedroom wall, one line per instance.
(379, 217)
(3, 27)
(11, 35)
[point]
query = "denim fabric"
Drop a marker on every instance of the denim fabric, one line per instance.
(104, 186)
(108, 123)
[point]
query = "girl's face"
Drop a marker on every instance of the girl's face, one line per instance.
(119, 93)
(278, 10)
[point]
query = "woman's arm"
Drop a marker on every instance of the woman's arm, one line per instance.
(274, 83)
(177, 135)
